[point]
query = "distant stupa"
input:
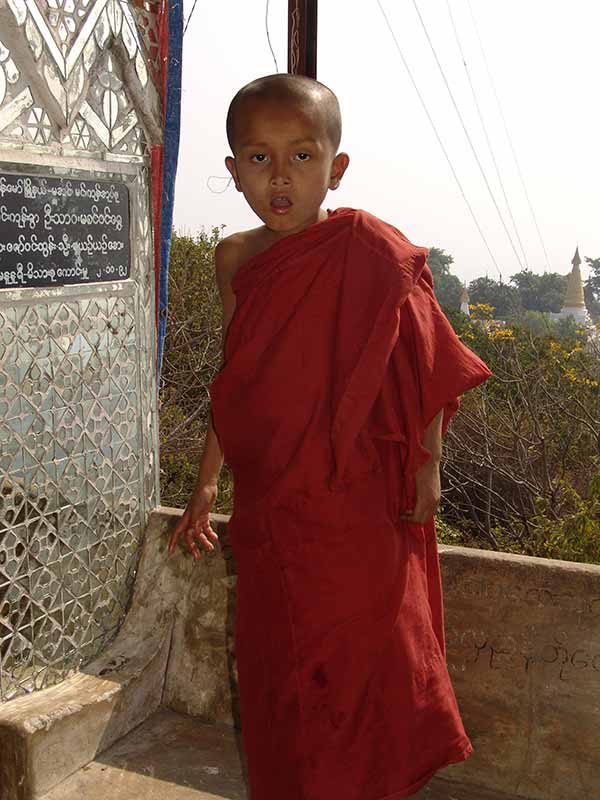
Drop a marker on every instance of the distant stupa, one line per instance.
(574, 302)
(464, 301)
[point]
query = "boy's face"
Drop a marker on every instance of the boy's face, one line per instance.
(284, 163)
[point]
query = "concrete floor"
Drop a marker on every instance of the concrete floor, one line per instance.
(175, 757)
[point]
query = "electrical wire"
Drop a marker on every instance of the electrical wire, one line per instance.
(470, 141)
(438, 137)
(485, 131)
(211, 178)
(508, 136)
(189, 18)
(269, 36)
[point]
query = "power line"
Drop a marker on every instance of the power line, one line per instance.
(485, 130)
(189, 18)
(464, 127)
(437, 135)
(508, 136)
(269, 36)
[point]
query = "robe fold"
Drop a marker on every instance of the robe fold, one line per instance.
(336, 360)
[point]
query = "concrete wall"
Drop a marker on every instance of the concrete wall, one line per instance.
(523, 639)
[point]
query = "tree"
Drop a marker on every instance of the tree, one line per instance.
(447, 286)
(527, 284)
(540, 292)
(553, 288)
(504, 298)
(439, 261)
(592, 287)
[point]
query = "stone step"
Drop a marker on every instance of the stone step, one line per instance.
(171, 756)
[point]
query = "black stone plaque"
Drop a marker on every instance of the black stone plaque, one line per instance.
(59, 231)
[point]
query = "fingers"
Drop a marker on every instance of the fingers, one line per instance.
(201, 532)
(206, 535)
(202, 538)
(191, 545)
(209, 532)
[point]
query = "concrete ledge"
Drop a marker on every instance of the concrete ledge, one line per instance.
(523, 639)
(48, 735)
(169, 757)
(51, 733)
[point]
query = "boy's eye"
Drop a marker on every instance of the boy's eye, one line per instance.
(303, 156)
(258, 158)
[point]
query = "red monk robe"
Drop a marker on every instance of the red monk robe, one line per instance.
(336, 360)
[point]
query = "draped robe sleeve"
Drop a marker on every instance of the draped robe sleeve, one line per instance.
(336, 360)
(405, 363)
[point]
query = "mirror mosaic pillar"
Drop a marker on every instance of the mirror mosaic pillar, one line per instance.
(81, 116)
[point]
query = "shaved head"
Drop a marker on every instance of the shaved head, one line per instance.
(296, 90)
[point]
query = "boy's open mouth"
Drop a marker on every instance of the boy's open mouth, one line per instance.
(281, 204)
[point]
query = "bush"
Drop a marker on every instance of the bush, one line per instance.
(522, 466)
(521, 458)
(192, 357)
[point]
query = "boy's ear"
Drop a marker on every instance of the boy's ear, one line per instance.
(339, 166)
(230, 164)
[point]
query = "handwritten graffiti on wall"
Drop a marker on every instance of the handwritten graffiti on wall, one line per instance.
(524, 652)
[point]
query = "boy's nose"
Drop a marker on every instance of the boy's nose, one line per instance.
(279, 179)
(279, 173)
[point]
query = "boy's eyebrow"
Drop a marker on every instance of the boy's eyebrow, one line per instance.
(257, 145)
(264, 145)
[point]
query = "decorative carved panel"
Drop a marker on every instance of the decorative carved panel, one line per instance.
(78, 426)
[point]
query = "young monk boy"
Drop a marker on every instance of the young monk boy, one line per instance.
(340, 375)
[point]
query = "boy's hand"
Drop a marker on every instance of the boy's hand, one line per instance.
(195, 523)
(428, 494)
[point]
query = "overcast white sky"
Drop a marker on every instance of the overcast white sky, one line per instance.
(543, 57)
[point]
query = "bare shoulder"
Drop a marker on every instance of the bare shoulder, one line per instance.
(231, 253)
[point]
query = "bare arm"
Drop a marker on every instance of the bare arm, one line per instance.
(432, 440)
(195, 524)
(427, 479)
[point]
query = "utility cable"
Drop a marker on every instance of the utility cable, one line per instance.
(189, 18)
(269, 36)
(464, 127)
(437, 135)
(485, 131)
(508, 136)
